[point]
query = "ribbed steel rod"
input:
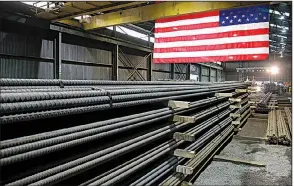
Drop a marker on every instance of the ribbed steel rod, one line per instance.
(91, 132)
(129, 119)
(61, 132)
(69, 169)
(58, 143)
(7, 108)
(34, 96)
(78, 110)
(166, 165)
(115, 176)
(50, 82)
(60, 146)
(127, 163)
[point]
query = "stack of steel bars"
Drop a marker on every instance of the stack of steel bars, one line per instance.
(263, 105)
(289, 118)
(272, 134)
(283, 131)
(115, 150)
(41, 100)
(278, 132)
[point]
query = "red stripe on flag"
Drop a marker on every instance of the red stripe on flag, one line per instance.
(188, 16)
(215, 35)
(251, 57)
(256, 44)
(186, 27)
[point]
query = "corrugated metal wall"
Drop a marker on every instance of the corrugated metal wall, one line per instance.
(85, 54)
(161, 75)
(74, 54)
(21, 45)
(25, 46)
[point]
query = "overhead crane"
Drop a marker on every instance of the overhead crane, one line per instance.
(107, 14)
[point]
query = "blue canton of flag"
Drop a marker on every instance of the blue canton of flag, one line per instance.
(237, 16)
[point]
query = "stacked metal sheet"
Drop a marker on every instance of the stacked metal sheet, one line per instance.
(107, 132)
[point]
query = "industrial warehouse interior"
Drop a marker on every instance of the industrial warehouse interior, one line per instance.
(146, 93)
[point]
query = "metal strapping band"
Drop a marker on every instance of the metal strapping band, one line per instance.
(61, 85)
(107, 93)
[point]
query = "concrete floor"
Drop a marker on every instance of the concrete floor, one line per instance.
(277, 159)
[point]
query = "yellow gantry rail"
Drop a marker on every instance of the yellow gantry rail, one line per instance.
(156, 11)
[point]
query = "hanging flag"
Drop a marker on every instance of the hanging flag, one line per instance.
(239, 34)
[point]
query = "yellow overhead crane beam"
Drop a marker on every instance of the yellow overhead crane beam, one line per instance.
(156, 11)
(97, 10)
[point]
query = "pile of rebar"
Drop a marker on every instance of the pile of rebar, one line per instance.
(283, 131)
(272, 133)
(45, 99)
(278, 131)
(262, 106)
(288, 113)
(106, 132)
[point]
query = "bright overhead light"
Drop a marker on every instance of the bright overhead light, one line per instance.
(283, 30)
(282, 17)
(274, 70)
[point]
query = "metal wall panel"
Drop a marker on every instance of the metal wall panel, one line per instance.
(205, 71)
(181, 68)
(25, 46)
(123, 74)
(135, 60)
(70, 71)
(11, 68)
(213, 72)
(204, 79)
(160, 75)
(158, 66)
(219, 75)
(85, 54)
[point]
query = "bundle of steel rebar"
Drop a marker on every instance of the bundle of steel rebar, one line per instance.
(272, 133)
(58, 82)
(140, 138)
(265, 100)
(289, 118)
(77, 166)
(25, 106)
(283, 131)
(161, 170)
(192, 167)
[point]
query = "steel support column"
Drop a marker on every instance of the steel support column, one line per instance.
(149, 67)
(57, 56)
(115, 63)
(200, 73)
(172, 70)
(188, 70)
(209, 74)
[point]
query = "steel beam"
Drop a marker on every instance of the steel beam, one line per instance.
(149, 67)
(100, 37)
(209, 74)
(172, 71)
(156, 11)
(188, 70)
(200, 72)
(115, 63)
(57, 56)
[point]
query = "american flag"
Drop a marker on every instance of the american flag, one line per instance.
(239, 34)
